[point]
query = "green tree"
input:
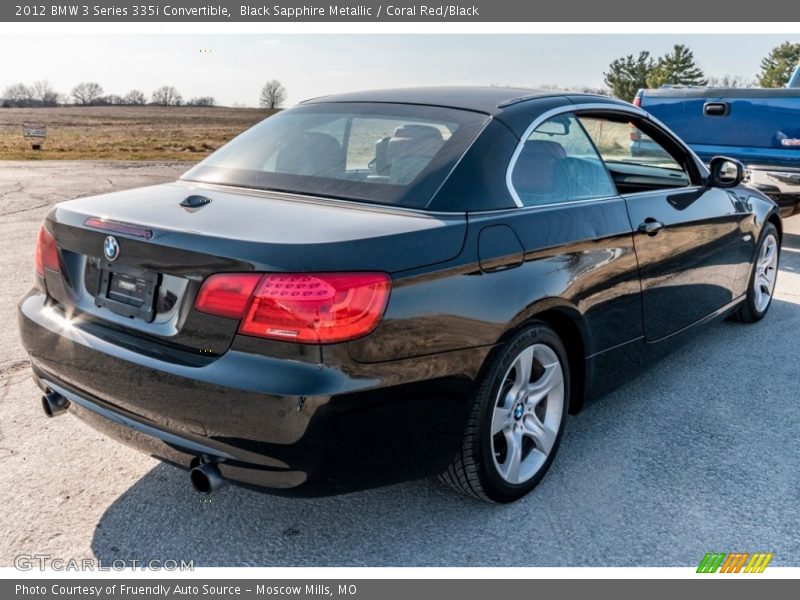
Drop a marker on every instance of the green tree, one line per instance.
(676, 68)
(778, 65)
(626, 75)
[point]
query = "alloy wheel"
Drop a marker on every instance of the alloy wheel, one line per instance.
(766, 273)
(527, 414)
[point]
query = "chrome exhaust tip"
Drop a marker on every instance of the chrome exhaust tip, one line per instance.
(54, 404)
(206, 478)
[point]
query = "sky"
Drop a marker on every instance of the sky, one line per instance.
(233, 68)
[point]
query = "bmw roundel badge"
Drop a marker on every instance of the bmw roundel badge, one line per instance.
(111, 248)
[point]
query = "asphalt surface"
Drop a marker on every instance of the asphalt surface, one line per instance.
(700, 454)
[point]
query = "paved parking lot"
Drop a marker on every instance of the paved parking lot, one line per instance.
(701, 453)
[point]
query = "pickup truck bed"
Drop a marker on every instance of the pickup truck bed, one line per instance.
(759, 127)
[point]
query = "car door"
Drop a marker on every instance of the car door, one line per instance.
(688, 239)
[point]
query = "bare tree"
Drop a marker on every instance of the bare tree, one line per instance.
(135, 98)
(731, 81)
(202, 101)
(87, 93)
(273, 94)
(44, 94)
(18, 95)
(581, 89)
(167, 95)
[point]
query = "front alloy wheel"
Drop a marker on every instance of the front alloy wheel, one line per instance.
(766, 272)
(763, 277)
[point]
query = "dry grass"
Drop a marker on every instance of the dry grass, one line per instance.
(124, 132)
(177, 133)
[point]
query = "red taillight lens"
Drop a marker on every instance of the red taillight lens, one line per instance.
(227, 294)
(317, 308)
(46, 252)
(637, 100)
(311, 308)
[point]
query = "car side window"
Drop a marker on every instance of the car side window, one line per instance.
(637, 162)
(558, 163)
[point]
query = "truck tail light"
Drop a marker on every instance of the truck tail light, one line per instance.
(46, 252)
(637, 100)
(305, 307)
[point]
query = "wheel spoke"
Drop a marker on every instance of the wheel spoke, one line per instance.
(513, 457)
(522, 371)
(542, 435)
(768, 253)
(551, 378)
(499, 420)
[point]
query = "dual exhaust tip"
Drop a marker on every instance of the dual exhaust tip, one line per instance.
(204, 476)
(54, 404)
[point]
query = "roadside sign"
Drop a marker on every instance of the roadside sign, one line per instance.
(34, 130)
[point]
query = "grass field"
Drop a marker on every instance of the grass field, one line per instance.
(177, 133)
(124, 132)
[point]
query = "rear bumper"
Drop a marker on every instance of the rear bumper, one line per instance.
(781, 184)
(299, 427)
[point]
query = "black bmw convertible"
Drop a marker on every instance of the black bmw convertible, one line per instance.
(378, 286)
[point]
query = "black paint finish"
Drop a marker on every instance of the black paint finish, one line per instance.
(311, 419)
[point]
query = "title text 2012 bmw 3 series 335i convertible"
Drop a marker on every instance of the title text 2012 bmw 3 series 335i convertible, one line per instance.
(379, 286)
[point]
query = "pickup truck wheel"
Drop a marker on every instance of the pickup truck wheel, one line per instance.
(517, 421)
(762, 278)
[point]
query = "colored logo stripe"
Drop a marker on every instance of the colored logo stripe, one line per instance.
(758, 563)
(711, 562)
(734, 562)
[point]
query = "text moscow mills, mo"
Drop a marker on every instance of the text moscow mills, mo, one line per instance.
(188, 590)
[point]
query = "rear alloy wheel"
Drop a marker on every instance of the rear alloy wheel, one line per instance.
(762, 278)
(517, 421)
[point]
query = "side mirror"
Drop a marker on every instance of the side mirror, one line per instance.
(725, 172)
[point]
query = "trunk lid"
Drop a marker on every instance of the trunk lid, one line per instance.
(238, 230)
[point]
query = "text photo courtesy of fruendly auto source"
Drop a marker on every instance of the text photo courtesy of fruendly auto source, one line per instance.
(400, 300)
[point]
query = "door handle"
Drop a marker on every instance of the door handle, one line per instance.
(716, 109)
(651, 226)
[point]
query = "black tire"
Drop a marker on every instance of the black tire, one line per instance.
(474, 470)
(749, 311)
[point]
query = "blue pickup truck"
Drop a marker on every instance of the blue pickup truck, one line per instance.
(759, 127)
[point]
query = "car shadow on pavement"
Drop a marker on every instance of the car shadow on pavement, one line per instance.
(655, 473)
(162, 517)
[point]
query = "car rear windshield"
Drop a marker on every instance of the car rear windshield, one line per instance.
(393, 154)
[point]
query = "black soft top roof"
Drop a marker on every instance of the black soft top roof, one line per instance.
(489, 100)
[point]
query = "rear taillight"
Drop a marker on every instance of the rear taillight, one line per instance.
(637, 100)
(46, 252)
(308, 307)
(227, 294)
